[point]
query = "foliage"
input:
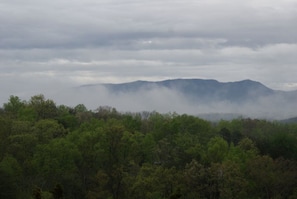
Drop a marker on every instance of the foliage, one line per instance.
(49, 151)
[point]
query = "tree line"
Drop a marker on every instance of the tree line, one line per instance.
(50, 151)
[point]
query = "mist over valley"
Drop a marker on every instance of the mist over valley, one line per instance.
(209, 99)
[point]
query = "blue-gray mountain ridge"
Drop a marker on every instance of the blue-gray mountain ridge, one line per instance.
(204, 90)
(194, 96)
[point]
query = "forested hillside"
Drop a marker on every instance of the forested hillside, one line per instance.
(50, 151)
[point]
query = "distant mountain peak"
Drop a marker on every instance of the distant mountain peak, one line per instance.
(245, 97)
(198, 89)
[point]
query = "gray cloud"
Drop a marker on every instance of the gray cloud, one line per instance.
(45, 45)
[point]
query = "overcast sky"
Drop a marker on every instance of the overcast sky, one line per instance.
(47, 45)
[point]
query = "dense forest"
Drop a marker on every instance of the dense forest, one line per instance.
(50, 151)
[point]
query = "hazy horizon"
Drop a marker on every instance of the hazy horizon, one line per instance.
(51, 46)
(166, 100)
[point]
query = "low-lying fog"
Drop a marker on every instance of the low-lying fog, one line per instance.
(281, 105)
(165, 100)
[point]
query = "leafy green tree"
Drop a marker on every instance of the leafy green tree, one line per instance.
(197, 181)
(88, 141)
(98, 188)
(58, 162)
(114, 157)
(108, 157)
(164, 153)
(272, 178)
(5, 132)
(20, 127)
(80, 108)
(132, 148)
(66, 117)
(230, 179)
(243, 152)
(10, 173)
(261, 170)
(147, 147)
(82, 114)
(106, 112)
(226, 134)
(22, 146)
(286, 172)
(48, 129)
(155, 182)
(45, 109)
(283, 145)
(219, 180)
(28, 113)
(192, 125)
(217, 149)
(158, 125)
(14, 105)
(132, 122)
(187, 147)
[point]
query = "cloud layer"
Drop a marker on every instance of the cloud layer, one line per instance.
(46, 46)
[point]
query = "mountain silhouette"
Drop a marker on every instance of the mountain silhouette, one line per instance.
(194, 96)
(200, 89)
